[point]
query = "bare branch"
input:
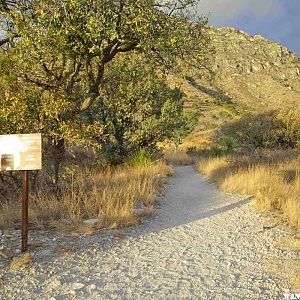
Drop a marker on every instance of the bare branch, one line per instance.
(8, 40)
(4, 41)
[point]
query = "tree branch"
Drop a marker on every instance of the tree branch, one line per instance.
(8, 40)
(4, 41)
(94, 92)
(72, 78)
(39, 83)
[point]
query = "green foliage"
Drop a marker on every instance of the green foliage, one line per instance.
(140, 109)
(185, 124)
(265, 130)
(217, 151)
(65, 46)
(228, 143)
(290, 130)
(27, 108)
(60, 52)
(91, 73)
(142, 157)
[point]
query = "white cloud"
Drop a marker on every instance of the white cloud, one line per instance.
(222, 11)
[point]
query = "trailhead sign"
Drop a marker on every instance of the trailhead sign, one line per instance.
(20, 152)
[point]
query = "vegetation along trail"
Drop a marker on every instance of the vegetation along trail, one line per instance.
(199, 244)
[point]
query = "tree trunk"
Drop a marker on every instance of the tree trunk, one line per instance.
(58, 154)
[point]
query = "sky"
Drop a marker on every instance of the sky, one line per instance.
(276, 20)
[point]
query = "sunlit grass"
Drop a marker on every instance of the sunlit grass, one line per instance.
(178, 158)
(108, 195)
(275, 182)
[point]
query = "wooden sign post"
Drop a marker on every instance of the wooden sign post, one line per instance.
(21, 152)
(25, 211)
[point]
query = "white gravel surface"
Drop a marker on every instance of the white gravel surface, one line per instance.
(199, 244)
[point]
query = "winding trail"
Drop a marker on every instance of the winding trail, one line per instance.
(199, 244)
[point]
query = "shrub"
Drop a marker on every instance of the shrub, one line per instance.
(229, 143)
(217, 151)
(290, 131)
(271, 130)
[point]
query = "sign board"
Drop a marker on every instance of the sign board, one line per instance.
(20, 152)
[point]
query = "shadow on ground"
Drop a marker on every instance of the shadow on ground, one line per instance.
(188, 199)
(213, 93)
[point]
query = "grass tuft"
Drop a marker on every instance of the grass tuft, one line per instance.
(141, 158)
(24, 261)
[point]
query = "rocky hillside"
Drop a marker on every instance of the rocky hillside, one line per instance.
(238, 53)
(246, 74)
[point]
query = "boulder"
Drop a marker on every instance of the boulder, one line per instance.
(139, 209)
(91, 222)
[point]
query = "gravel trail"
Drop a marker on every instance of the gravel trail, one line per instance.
(199, 244)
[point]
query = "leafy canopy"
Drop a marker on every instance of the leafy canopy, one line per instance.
(58, 55)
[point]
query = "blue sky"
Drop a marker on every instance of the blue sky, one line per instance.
(277, 20)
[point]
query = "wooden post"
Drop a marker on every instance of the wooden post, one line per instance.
(25, 212)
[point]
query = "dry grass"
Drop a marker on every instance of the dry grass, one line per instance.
(200, 139)
(24, 261)
(290, 243)
(178, 158)
(109, 196)
(273, 178)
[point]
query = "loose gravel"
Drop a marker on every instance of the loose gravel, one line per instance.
(199, 244)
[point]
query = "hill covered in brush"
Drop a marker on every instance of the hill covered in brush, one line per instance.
(245, 74)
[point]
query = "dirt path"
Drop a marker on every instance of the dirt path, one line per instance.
(200, 244)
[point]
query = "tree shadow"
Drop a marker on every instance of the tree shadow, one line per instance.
(190, 198)
(225, 208)
(221, 98)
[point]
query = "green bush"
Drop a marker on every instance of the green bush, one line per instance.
(217, 151)
(143, 157)
(229, 143)
(290, 131)
(270, 130)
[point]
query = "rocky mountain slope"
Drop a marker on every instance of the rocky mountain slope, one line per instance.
(238, 53)
(246, 74)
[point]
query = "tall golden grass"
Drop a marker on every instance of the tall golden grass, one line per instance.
(272, 178)
(108, 195)
(178, 158)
